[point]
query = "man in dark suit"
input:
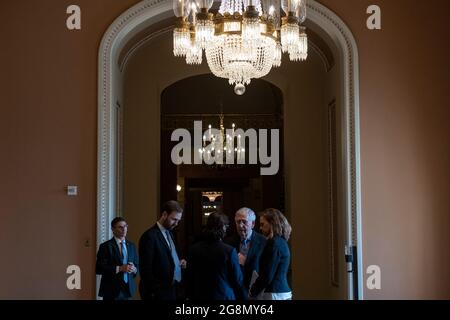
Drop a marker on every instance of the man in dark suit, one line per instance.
(117, 263)
(160, 266)
(248, 243)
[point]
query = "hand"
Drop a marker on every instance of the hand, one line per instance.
(183, 264)
(133, 268)
(126, 268)
(242, 259)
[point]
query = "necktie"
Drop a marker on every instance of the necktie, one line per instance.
(124, 260)
(176, 261)
(244, 247)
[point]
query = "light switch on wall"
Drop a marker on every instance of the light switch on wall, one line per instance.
(72, 190)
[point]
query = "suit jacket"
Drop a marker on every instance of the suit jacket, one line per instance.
(257, 243)
(108, 258)
(213, 272)
(274, 265)
(156, 266)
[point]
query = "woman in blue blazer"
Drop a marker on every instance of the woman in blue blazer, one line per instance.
(272, 283)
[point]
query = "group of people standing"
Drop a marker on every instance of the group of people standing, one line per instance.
(246, 265)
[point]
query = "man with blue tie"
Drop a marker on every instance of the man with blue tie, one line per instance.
(248, 243)
(117, 263)
(160, 266)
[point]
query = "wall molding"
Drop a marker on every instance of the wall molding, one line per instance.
(110, 89)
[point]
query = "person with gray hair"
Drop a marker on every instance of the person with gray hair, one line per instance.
(248, 243)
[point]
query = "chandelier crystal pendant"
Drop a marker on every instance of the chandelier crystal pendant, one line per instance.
(244, 40)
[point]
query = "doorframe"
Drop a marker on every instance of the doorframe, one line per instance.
(110, 92)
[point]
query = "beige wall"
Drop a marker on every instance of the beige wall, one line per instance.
(149, 72)
(48, 128)
(306, 177)
(48, 134)
(405, 150)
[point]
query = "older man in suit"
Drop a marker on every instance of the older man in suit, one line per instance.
(248, 243)
(160, 266)
(117, 263)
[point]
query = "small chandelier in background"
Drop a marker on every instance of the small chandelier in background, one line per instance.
(223, 144)
(244, 40)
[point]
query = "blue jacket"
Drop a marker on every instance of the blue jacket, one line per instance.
(213, 272)
(274, 265)
(257, 243)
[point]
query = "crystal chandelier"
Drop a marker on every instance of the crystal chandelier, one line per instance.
(244, 40)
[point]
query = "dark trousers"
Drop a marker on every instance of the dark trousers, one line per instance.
(124, 293)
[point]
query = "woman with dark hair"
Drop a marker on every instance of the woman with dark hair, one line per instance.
(213, 271)
(271, 283)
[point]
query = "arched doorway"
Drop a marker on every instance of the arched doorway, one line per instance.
(226, 187)
(113, 59)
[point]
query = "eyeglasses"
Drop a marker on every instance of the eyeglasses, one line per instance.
(122, 227)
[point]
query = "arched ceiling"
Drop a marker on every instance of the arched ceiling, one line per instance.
(190, 96)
